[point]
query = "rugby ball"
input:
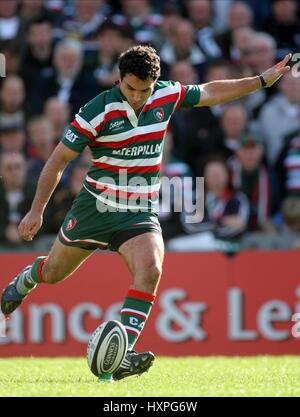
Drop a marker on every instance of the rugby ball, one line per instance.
(107, 348)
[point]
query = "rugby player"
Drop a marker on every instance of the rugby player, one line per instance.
(124, 127)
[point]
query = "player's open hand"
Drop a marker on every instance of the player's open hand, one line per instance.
(30, 225)
(273, 74)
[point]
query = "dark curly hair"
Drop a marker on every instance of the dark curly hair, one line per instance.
(141, 61)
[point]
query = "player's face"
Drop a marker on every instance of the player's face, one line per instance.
(136, 91)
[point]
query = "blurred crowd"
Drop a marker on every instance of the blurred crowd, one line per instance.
(61, 53)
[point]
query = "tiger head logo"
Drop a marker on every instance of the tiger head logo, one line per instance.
(159, 114)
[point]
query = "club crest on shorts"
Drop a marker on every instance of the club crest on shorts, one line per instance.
(159, 114)
(71, 223)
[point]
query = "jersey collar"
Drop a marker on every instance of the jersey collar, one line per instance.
(131, 115)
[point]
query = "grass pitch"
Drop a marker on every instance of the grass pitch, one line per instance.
(174, 377)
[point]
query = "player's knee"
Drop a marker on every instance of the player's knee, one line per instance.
(152, 275)
(155, 272)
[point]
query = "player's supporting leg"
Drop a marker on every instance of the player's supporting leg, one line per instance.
(143, 255)
(61, 262)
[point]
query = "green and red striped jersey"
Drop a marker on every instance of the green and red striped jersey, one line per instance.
(126, 149)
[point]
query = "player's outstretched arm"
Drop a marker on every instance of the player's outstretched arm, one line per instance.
(217, 92)
(49, 178)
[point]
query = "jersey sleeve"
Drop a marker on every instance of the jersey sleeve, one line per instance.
(191, 95)
(80, 132)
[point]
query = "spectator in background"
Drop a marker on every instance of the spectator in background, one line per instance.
(16, 194)
(290, 212)
(250, 176)
(41, 144)
(254, 52)
(170, 16)
(66, 80)
(234, 122)
(110, 40)
(195, 132)
(283, 232)
(182, 46)
(217, 70)
(88, 16)
(287, 167)
(262, 52)
(182, 124)
(240, 16)
(12, 138)
(39, 52)
(261, 11)
(127, 39)
(12, 97)
(139, 18)
(280, 116)
(200, 13)
(62, 199)
(221, 10)
(262, 55)
(31, 10)
(58, 114)
(242, 39)
(9, 20)
(284, 26)
(226, 210)
(226, 213)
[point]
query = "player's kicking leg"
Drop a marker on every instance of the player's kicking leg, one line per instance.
(143, 255)
(61, 262)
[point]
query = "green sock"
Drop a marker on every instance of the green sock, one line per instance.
(30, 276)
(134, 313)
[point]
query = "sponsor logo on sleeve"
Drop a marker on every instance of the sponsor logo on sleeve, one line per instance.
(71, 136)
